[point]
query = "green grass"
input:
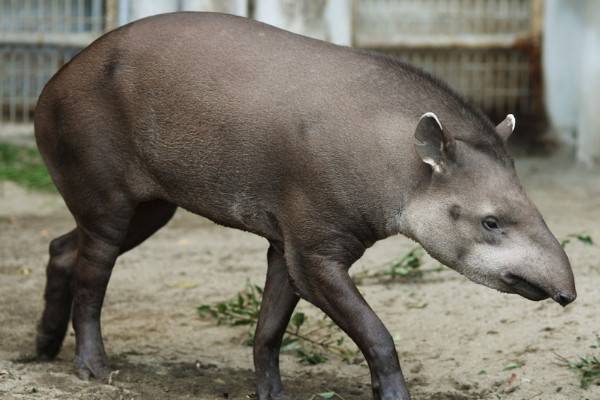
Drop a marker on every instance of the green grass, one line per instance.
(583, 238)
(405, 268)
(586, 367)
(311, 341)
(24, 166)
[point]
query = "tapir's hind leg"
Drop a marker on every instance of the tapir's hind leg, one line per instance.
(58, 297)
(147, 218)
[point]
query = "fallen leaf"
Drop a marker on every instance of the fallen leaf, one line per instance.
(512, 365)
(185, 285)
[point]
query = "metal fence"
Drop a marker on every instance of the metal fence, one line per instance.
(28, 18)
(36, 38)
(23, 72)
(486, 49)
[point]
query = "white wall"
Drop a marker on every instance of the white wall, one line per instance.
(130, 10)
(329, 20)
(571, 59)
(588, 123)
(562, 24)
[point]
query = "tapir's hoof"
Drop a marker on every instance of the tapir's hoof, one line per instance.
(95, 368)
(279, 396)
(266, 394)
(273, 396)
(47, 346)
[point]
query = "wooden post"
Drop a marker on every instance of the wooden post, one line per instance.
(112, 13)
(588, 124)
(329, 20)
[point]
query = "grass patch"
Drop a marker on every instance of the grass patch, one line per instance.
(312, 342)
(586, 367)
(24, 166)
(583, 238)
(405, 268)
(326, 395)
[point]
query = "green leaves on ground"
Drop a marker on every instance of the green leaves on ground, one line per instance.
(312, 342)
(512, 365)
(24, 166)
(406, 267)
(243, 309)
(585, 239)
(586, 367)
(326, 395)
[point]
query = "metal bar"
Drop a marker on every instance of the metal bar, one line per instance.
(444, 41)
(27, 17)
(3, 80)
(12, 10)
(81, 16)
(67, 16)
(26, 78)
(12, 81)
(123, 14)
(111, 11)
(96, 22)
(54, 13)
(77, 39)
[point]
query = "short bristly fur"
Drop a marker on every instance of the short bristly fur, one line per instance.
(321, 149)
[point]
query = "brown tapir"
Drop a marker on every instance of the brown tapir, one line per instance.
(320, 149)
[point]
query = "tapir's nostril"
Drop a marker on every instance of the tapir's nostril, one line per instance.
(564, 298)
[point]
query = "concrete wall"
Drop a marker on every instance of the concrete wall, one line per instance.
(130, 10)
(588, 123)
(572, 74)
(329, 20)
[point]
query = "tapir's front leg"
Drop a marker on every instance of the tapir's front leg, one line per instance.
(325, 282)
(276, 309)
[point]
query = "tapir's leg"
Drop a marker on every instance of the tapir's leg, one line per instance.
(57, 312)
(101, 241)
(327, 284)
(147, 219)
(277, 306)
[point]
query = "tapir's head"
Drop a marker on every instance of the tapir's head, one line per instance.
(474, 216)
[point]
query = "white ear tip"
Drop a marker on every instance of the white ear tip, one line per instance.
(432, 115)
(511, 121)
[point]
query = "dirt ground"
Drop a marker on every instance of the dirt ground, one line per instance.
(455, 339)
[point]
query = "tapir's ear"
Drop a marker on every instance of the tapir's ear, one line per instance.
(434, 145)
(506, 127)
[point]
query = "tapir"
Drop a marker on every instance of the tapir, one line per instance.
(321, 149)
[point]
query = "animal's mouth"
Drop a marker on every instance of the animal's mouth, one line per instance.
(523, 287)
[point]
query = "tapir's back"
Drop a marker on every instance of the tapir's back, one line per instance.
(212, 110)
(228, 116)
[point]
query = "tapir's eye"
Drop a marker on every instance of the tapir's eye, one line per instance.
(490, 223)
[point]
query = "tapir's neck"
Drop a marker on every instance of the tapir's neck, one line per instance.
(397, 217)
(401, 183)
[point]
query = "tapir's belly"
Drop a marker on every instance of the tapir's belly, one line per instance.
(225, 174)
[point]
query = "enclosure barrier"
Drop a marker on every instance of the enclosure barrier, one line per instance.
(486, 49)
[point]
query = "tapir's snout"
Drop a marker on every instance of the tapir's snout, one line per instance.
(564, 299)
(524, 286)
(561, 280)
(553, 280)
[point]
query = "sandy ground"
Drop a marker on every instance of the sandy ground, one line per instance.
(454, 338)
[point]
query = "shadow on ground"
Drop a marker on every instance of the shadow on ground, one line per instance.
(185, 380)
